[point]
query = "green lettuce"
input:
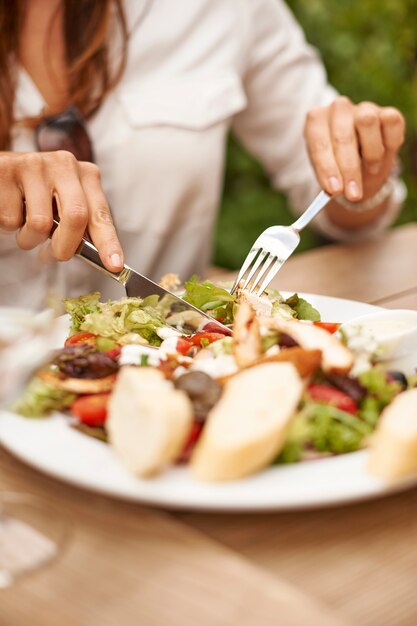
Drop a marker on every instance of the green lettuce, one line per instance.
(208, 297)
(117, 319)
(323, 428)
(381, 392)
(40, 399)
(78, 308)
(303, 310)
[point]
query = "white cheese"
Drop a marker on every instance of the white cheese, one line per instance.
(167, 332)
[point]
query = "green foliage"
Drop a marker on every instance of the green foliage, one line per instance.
(369, 48)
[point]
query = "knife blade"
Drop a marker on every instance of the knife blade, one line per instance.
(137, 285)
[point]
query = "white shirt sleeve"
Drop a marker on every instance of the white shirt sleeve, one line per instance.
(284, 78)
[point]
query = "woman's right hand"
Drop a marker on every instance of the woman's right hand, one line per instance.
(36, 179)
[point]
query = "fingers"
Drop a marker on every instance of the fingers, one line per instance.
(11, 196)
(345, 147)
(38, 205)
(393, 128)
(368, 127)
(352, 147)
(319, 142)
(72, 207)
(333, 147)
(100, 223)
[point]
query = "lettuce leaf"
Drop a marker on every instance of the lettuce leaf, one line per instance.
(40, 399)
(117, 318)
(78, 308)
(303, 309)
(323, 428)
(210, 298)
(381, 392)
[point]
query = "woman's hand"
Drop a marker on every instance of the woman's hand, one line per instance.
(36, 179)
(353, 147)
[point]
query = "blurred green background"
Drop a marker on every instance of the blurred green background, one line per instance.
(369, 48)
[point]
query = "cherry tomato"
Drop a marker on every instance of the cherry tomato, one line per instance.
(183, 345)
(212, 327)
(207, 336)
(330, 395)
(331, 327)
(81, 338)
(91, 409)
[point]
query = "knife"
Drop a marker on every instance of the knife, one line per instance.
(137, 285)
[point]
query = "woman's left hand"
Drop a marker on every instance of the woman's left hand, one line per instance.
(353, 146)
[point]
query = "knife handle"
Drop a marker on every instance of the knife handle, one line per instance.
(87, 251)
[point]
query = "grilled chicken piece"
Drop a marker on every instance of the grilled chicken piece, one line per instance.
(246, 336)
(393, 447)
(78, 385)
(336, 358)
(306, 362)
(246, 429)
(260, 304)
(149, 420)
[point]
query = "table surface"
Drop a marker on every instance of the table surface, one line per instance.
(128, 565)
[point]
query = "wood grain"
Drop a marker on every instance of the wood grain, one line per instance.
(132, 566)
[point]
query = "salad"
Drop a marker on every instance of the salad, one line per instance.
(276, 386)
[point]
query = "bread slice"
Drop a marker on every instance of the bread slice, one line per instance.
(247, 427)
(336, 358)
(393, 448)
(149, 420)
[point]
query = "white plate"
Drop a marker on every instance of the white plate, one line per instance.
(51, 446)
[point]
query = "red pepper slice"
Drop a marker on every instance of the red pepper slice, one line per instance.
(331, 327)
(335, 397)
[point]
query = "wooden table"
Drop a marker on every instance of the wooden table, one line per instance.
(127, 565)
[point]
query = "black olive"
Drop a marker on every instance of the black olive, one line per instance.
(286, 341)
(83, 361)
(202, 390)
(398, 376)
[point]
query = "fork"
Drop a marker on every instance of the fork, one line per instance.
(273, 247)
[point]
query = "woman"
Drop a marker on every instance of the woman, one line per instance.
(159, 84)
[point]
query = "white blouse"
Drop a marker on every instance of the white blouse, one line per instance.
(196, 68)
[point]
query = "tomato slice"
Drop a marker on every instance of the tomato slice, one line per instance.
(183, 345)
(331, 327)
(207, 336)
(81, 338)
(91, 409)
(330, 395)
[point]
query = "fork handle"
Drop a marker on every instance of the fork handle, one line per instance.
(315, 207)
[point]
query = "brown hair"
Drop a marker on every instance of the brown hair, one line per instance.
(91, 72)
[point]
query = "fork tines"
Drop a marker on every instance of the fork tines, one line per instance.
(257, 271)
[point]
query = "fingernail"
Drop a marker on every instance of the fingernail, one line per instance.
(116, 260)
(352, 190)
(334, 184)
